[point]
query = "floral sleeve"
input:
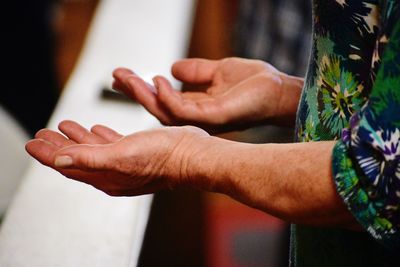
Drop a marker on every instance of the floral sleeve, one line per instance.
(366, 161)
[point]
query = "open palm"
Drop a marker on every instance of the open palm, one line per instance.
(136, 164)
(236, 93)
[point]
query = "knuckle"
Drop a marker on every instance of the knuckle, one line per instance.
(89, 161)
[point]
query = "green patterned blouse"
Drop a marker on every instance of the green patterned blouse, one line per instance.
(352, 95)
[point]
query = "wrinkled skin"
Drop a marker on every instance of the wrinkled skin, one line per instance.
(135, 164)
(235, 93)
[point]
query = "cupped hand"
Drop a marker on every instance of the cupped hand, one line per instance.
(237, 93)
(136, 164)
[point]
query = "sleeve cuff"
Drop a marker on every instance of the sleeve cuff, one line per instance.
(352, 190)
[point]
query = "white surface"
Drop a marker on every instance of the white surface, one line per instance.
(54, 221)
(13, 159)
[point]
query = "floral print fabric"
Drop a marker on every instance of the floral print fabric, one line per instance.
(367, 159)
(352, 95)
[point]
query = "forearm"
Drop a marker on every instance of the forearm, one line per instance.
(290, 181)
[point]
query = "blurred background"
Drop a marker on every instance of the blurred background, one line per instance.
(43, 40)
(186, 228)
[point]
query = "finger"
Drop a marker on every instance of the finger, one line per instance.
(119, 86)
(121, 76)
(188, 110)
(79, 134)
(86, 157)
(42, 151)
(135, 88)
(53, 137)
(195, 70)
(106, 133)
(118, 72)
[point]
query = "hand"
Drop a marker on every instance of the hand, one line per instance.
(136, 164)
(150, 161)
(238, 93)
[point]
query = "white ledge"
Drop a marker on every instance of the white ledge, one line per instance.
(54, 221)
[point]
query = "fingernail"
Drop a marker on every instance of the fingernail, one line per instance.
(63, 161)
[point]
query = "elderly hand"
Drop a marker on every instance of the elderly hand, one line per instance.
(136, 164)
(237, 93)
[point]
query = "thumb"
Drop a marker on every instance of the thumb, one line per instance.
(195, 70)
(85, 157)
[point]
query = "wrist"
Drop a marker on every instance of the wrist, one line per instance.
(205, 164)
(239, 170)
(288, 101)
(186, 159)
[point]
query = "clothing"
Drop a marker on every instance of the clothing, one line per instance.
(352, 95)
(277, 31)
